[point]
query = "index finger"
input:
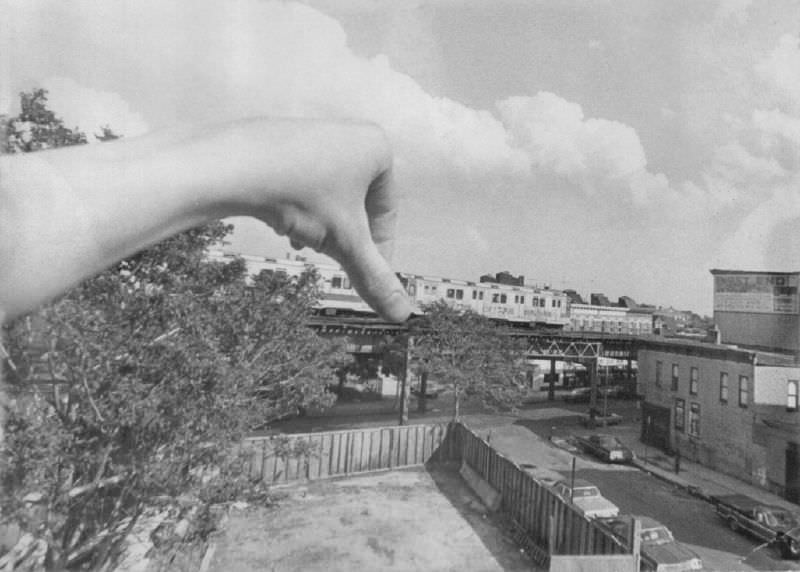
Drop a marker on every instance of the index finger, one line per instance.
(372, 276)
(380, 204)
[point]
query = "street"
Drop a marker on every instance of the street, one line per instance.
(525, 437)
(692, 520)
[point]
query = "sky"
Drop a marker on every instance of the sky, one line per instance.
(615, 146)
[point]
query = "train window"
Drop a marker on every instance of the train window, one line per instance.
(451, 293)
(480, 295)
(336, 282)
(495, 298)
(534, 301)
(346, 282)
(459, 294)
(559, 303)
(522, 299)
(503, 299)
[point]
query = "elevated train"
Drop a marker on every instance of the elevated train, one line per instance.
(520, 305)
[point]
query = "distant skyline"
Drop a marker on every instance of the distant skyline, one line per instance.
(623, 147)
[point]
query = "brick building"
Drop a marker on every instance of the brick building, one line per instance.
(731, 407)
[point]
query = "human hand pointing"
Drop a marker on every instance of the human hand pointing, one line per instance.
(324, 184)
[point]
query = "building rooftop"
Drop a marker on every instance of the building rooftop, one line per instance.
(716, 271)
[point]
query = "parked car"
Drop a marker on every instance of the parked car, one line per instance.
(586, 497)
(606, 447)
(578, 395)
(660, 551)
(767, 523)
(600, 419)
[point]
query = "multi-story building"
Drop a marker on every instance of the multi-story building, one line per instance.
(758, 309)
(609, 319)
(732, 406)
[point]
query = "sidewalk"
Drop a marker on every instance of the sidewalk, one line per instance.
(695, 478)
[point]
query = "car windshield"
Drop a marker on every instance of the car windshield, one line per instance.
(581, 492)
(656, 535)
(780, 518)
(610, 442)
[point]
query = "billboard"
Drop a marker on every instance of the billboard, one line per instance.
(765, 293)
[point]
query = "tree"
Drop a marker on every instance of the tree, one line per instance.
(138, 385)
(470, 354)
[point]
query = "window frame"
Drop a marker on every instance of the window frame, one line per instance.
(792, 396)
(724, 386)
(694, 380)
(694, 419)
(744, 391)
(675, 378)
(680, 421)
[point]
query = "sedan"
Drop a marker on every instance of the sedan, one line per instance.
(606, 447)
(659, 549)
(586, 497)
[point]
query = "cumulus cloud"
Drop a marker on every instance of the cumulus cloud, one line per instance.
(748, 246)
(91, 110)
(781, 69)
(735, 9)
(597, 154)
(253, 57)
(762, 167)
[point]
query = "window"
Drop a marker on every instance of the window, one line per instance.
(480, 295)
(744, 390)
(659, 372)
(522, 299)
(553, 303)
(495, 298)
(694, 419)
(535, 301)
(675, 377)
(680, 414)
(694, 379)
(451, 293)
(723, 387)
(791, 395)
(503, 298)
(459, 294)
(474, 294)
(336, 282)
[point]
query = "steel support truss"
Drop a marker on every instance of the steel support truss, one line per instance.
(563, 348)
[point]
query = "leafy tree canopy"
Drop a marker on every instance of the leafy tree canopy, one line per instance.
(468, 352)
(139, 384)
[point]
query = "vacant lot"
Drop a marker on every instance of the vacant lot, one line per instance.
(401, 520)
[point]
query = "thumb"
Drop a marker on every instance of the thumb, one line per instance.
(374, 280)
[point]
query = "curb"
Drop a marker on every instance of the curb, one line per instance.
(663, 475)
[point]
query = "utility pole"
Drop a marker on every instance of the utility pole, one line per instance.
(404, 383)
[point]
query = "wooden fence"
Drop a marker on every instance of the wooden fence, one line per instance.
(308, 456)
(545, 523)
(548, 522)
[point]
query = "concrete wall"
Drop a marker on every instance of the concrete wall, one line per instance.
(771, 387)
(776, 331)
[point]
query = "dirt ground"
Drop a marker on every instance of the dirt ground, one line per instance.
(395, 521)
